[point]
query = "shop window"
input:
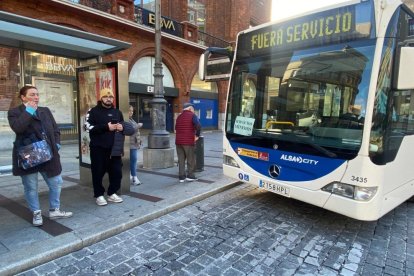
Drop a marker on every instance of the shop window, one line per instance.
(55, 78)
(200, 85)
(9, 82)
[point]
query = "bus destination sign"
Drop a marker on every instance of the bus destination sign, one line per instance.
(334, 26)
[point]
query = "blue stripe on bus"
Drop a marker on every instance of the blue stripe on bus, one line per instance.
(292, 166)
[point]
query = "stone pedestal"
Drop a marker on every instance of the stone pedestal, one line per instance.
(158, 158)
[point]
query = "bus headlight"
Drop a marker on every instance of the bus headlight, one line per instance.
(227, 160)
(351, 191)
(364, 193)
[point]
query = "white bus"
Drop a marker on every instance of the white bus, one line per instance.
(320, 108)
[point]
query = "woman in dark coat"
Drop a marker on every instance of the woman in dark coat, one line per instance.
(30, 122)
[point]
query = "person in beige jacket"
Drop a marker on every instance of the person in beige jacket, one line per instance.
(135, 145)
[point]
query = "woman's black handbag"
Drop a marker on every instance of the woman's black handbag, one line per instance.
(34, 154)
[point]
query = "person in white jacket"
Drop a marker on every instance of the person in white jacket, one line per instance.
(135, 145)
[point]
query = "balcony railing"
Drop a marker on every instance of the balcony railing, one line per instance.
(211, 41)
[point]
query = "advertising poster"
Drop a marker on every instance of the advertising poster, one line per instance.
(91, 80)
(87, 100)
(105, 78)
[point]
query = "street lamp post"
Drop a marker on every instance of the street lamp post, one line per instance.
(158, 154)
(159, 138)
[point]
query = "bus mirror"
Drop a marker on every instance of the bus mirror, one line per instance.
(202, 65)
(215, 64)
(405, 78)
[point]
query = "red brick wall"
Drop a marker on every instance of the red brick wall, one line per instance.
(176, 9)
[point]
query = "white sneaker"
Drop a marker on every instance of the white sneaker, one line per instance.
(191, 179)
(115, 198)
(135, 181)
(37, 218)
(101, 201)
(57, 214)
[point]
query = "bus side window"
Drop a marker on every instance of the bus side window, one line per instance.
(402, 118)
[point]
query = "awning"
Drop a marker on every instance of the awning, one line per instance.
(32, 34)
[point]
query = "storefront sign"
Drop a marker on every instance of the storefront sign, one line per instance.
(167, 25)
(58, 68)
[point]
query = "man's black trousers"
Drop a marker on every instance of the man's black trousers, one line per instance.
(101, 163)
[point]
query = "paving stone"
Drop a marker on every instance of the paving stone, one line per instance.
(194, 268)
(213, 270)
(29, 273)
(389, 270)
(46, 268)
(243, 266)
(174, 266)
(232, 272)
(155, 264)
(373, 270)
(65, 261)
(141, 271)
(121, 269)
(80, 254)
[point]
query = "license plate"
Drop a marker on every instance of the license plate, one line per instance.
(275, 188)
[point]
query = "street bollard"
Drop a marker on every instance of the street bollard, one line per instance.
(199, 151)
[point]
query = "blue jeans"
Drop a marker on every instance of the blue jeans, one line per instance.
(133, 161)
(30, 183)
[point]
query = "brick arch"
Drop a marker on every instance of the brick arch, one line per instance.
(168, 59)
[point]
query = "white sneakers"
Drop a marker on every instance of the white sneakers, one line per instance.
(53, 214)
(135, 181)
(114, 198)
(37, 218)
(58, 214)
(101, 201)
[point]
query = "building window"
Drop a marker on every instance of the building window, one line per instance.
(209, 114)
(196, 14)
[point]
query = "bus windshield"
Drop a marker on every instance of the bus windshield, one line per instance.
(310, 101)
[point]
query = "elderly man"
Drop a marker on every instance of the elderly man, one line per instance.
(187, 130)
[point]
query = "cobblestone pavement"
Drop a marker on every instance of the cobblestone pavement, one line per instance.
(246, 231)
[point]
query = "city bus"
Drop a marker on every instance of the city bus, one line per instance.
(320, 107)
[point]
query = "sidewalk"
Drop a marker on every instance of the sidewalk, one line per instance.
(23, 246)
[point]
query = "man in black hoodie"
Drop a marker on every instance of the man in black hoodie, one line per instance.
(105, 124)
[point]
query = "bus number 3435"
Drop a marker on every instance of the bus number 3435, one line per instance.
(359, 179)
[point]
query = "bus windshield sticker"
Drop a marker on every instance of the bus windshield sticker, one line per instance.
(253, 154)
(247, 152)
(243, 126)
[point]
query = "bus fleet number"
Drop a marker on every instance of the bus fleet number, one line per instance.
(359, 179)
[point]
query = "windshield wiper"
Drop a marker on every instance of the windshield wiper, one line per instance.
(316, 146)
(322, 150)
